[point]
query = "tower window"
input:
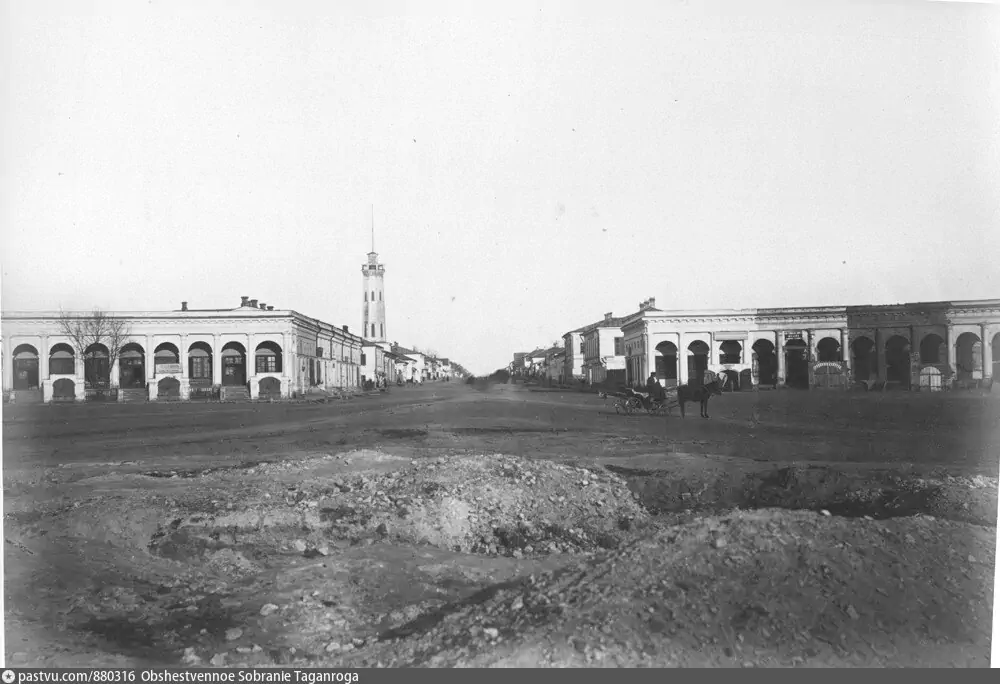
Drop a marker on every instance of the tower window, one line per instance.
(380, 295)
(373, 330)
(381, 327)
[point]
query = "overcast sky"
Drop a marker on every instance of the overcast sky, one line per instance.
(529, 172)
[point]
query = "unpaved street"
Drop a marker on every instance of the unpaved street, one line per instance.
(367, 530)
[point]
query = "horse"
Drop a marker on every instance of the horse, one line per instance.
(701, 394)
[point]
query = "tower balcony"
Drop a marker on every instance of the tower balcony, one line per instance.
(373, 269)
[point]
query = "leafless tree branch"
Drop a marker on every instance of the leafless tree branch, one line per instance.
(86, 331)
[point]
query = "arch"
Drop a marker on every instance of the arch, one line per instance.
(930, 379)
(25, 351)
(132, 366)
(168, 388)
(730, 380)
(764, 362)
(698, 347)
(730, 351)
(166, 352)
(968, 356)
(933, 350)
(797, 364)
(897, 360)
(268, 357)
(63, 389)
(828, 350)
(199, 364)
(697, 362)
(666, 363)
(97, 366)
(62, 359)
(25, 367)
(269, 388)
(865, 362)
(234, 361)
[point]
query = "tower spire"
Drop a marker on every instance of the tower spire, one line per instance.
(373, 227)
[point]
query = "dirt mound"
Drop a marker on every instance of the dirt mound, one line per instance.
(762, 588)
(851, 493)
(487, 504)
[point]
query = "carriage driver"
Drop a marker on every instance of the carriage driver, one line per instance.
(653, 387)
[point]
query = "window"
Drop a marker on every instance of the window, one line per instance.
(373, 330)
(381, 328)
(267, 364)
(363, 357)
(201, 367)
(619, 346)
(581, 346)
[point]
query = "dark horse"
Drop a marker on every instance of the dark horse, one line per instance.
(700, 393)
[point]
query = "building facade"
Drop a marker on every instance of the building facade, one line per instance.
(927, 346)
(249, 352)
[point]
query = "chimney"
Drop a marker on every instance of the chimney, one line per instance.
(608, 316)
(244, 300)
(652, 302)
(263, 306)
(270, 308)
(345, 329)
(253, 303)
(184, 306)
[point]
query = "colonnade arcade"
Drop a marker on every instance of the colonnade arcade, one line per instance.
(177, 367)
(804, 358)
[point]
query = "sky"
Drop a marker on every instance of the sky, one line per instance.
(528, 171)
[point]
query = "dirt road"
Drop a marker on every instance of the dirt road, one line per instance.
(140, 534)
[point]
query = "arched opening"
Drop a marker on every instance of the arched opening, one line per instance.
(168, 389)
(764, 363)
(666, 364)
(865, 359)
(132, 366)
(96, 367)
(697, 362)
(25, 367)
(200, 364)
(63, 389)
(234, 362)
(62, 360)
(930, 379)
(268, 358)
(968, 357)
(730, 380)
(933, 349)
(797, 364)
(166, 359)
(828, 350)
(269, 388)
(897, 360)
(730, 351)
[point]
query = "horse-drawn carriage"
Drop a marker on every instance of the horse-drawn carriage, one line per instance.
(630, 401)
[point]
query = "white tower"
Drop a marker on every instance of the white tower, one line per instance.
(373, 313)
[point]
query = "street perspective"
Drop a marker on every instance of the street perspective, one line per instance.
(660, 336)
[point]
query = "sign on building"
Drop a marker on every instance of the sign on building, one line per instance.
(168, 369)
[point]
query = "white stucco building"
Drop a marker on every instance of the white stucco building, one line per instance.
(249, 351)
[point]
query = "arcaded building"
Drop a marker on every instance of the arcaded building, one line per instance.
(247, 352)
(926, 345)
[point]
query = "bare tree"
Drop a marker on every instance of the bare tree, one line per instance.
(95, 328)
